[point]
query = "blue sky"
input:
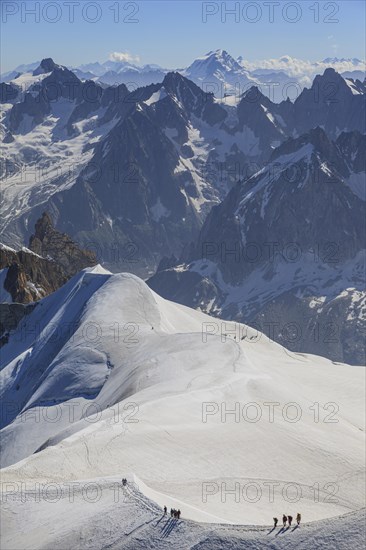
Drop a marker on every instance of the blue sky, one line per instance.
(172, 33)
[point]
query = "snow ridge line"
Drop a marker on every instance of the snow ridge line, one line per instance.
(247, 528)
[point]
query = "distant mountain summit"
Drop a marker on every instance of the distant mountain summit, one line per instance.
(213, 61)
(46, 66)
(219, 72)
(354, 60)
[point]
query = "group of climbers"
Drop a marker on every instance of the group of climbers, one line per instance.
(173, 512)
(288, 519)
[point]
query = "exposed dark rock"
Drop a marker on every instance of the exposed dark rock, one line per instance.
(9, 138)
(49, 262)
(30, 277)
(46, 66)
(8, 92)
(59, 247)
(10, 316)
(286, 247)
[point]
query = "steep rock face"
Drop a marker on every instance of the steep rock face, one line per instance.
(333, 103)
(46, 66)
(29, 277)
(8, 93)
(352, 146)
(52, 258)
(59, 247)
(134, 175)
(194, 100)
(145, 198)
(301, 197)
(334, 328)
(10, 316)
(285, 247)
(267, 120)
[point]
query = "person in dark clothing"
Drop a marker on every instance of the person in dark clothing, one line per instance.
(171, 512)
(175, 514)
(284, 520)
(275, 521)
(298, 518)
(178, 514)
(289, 520)
(165, 510)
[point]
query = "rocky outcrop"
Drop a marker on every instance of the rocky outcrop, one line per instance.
(51, 259)
(59, 247)
(29, 277)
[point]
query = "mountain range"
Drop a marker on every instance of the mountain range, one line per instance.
(143, 178)
(218, 72)
(285, 250)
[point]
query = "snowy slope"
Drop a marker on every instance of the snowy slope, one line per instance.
(44, 159)
(126, 518)
(146, 368)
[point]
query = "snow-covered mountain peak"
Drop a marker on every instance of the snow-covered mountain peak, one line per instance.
(218, 67)
(222, 57)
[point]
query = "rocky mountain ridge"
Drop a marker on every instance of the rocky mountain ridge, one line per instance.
(139, 172)
(285, 250)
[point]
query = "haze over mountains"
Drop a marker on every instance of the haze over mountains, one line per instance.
(218, 72)
(134, 176)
